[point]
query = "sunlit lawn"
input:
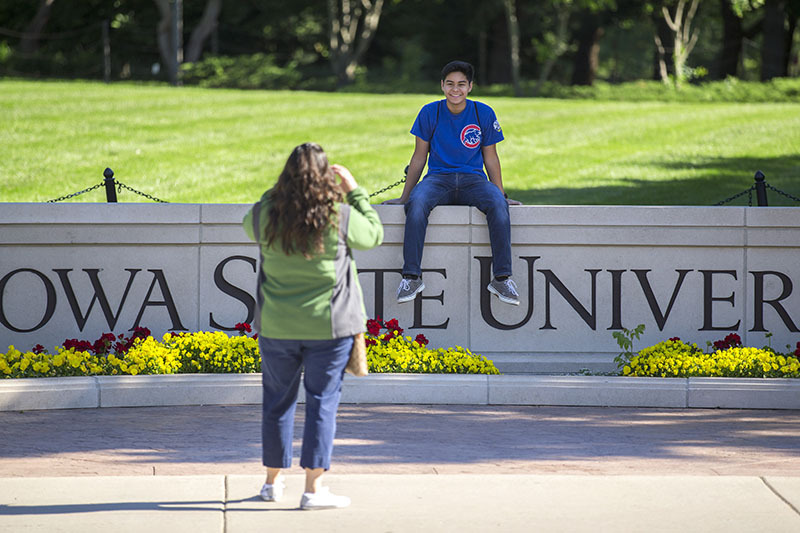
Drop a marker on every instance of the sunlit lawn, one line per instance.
(227, 146)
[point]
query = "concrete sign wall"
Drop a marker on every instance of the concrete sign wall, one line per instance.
(79, 270)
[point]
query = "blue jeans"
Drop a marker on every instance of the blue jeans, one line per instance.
(281, 365)
(457, 189)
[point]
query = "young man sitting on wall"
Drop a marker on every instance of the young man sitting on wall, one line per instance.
(461, 137)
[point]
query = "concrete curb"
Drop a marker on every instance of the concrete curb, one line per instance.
(458, 389)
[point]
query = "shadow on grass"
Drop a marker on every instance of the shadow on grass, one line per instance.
(721, 178)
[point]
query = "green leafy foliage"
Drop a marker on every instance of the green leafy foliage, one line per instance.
(256, 71)
(625, 340)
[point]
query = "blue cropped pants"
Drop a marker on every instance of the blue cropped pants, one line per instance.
(321, 365)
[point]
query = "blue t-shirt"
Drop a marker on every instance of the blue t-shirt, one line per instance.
(456, 140)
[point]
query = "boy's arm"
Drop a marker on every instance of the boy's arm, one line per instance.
(492, 162)
(415, 167)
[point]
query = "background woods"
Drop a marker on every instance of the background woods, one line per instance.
(399, 45)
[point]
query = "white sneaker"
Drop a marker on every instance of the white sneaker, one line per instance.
(272, 493)
(323, 499)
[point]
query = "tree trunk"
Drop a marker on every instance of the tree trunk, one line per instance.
(560, 48)
(773, 48)
(664, 49)
(513, 43)
(499, 55)
(482, 55)
(30, 40)
(347, 43)
(164, 37)
(680, 24)
(207, 24)
(732, 35)
(587, 57)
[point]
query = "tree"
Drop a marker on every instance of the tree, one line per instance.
(684, 39)
(513, 42)
(558, 42)
(588, 35)
(734, 33)
(780, 22)
(352, 26)
(591, 20)
(201, 32)
(30, 39)
(169, 38)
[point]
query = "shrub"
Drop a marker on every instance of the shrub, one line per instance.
(392, 352)
(216, 352)
(257, 71)
(674, 358)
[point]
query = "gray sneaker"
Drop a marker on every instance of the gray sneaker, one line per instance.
(408, 289)
(506, 290)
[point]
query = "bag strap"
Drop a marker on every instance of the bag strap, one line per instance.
(261, 278)
(344, 222)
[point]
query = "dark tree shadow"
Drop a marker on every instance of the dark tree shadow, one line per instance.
(724, 177)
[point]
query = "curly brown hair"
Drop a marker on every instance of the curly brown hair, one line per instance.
(303, 202)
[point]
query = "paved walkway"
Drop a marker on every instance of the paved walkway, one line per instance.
(407, 468)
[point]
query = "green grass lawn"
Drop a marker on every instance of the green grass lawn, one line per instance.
(227, 146)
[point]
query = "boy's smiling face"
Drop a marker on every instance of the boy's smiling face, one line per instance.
(456, 87)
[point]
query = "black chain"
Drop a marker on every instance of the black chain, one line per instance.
(121, 186)
(60, 198)
(786, 194)
(734, 197)
(392, 186)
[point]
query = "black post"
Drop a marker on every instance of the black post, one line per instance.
(761, 189)
(111, 192)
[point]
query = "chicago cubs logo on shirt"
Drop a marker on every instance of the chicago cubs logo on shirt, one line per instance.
(471, 136)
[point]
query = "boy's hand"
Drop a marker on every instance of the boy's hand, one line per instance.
(394, 201)
(346, 180)
(513, 202)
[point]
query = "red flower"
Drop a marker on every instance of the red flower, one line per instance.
(421, 339)
(79, 346)
(394, 325)
(140, 333)
(389, 336)
(370, 342)
(674, 338)
(729, 341)
(38, 349)
(243, 328)
(373, 327)
(733, 339)
(797, 351)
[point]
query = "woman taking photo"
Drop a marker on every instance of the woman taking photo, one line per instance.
(309, 308)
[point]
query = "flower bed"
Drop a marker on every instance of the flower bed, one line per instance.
(676, 359)
(216, 352)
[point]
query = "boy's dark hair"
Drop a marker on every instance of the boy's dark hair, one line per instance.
(459, 66)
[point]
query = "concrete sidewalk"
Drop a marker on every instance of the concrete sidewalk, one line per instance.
(407, 468)
(446, 503)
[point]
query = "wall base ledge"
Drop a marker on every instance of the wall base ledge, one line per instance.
(426, 389)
